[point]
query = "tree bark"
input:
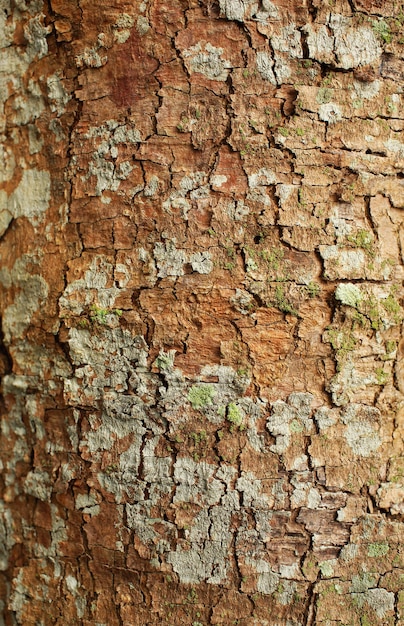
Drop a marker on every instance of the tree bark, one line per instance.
(201, 277)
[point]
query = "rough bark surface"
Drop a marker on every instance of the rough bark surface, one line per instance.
(202, 350)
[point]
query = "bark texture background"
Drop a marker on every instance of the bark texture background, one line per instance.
(201, 273)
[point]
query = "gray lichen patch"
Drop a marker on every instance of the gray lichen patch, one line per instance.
(367, 91)
(205, 560)
(207, 60)
(244, 10)
(123, 26)
(286, 418)
(371, 312)
(19, 595)
(36, 33)
(362, 428)
(354, 46)
(108, 176)
(237, 9)
(263, 177)
(93, 286)
(142, 25)
(268, 581)
(201, 262)
(288, 41)
(105, 359)
(31, 197)
(205, 557)
(7, 539)
(189, 186)
(38, 484)
(8, 163)
(348, 45)
(352, 263)
(57, 94)
(109, 140)
(329, 112)
(380, 600)
(265, 66)
(32, 291)
(92, 57)
(169, 260)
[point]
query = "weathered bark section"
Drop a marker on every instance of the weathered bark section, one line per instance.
(201, 272)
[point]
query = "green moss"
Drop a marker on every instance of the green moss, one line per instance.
(100, 316)
(234, 415)
(273, 257)
(327, 80)
(324, 95)
(198, 437)
(381, 376)
(296, 426)
(254, 124)
(358, 320)
(201, 396)
(383, 125)
(330, 589)
(181, 126)
(283, 131)
(342, 342)
(392, 306)
(231, 253)
(391, 347)
(282, 303)
(246, 149)
(192, 596)
(249, 251)
(363, 239)
(371, 310)
(229, 266)
(300, 197)
(382, 30)
(164, 361)
(309, 566)
(378, 549)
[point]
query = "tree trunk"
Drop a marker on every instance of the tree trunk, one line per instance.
(202, 358)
